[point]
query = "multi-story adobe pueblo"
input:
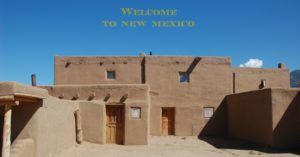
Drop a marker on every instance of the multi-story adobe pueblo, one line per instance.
(125, 100)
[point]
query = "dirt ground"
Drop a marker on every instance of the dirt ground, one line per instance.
(170, 146)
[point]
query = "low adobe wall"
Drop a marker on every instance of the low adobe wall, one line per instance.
(50, 123)
(250, 116)
(41, 125)
(286, 117)
(92, 121)
(268, 117)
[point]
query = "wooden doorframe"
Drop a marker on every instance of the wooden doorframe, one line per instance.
(115, 105)
(173, 109)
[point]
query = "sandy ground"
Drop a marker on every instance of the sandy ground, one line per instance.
(169, 146)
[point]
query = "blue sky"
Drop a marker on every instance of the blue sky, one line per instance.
(32, 32)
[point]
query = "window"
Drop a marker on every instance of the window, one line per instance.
(208, 112)
(111, 75)
(184, 77)
(135, 113)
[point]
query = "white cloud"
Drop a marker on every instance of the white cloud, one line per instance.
(253, 63)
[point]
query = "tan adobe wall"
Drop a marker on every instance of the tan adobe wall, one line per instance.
(14, 88)
(137, 130)
(247, 79)
(93, 121)
(93, 112)
(250, 116)
(268, 117)
(92, 70)
(99, 92)
(46, 122)
(210, 81)
(286, 117)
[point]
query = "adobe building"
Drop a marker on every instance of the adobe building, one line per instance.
(183, 91)
(125, 100)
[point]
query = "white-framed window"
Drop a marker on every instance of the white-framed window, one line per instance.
(184, 77)
(208, 112)
(135, 113)
(110, 75)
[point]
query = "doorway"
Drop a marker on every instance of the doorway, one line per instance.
(115, 124)
(168, 121)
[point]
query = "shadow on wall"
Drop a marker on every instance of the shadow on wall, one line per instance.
(287, 131)
(217, 124)
(215, 132)
(21, 115)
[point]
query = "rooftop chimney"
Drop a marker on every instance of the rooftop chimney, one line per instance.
(33, 80)
(281, 66)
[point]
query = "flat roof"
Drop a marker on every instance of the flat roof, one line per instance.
(12, 91)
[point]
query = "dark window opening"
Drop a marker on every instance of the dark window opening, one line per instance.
(262, 84)
(111, 75)
(184, 77)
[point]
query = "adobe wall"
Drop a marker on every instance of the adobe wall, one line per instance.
(247, 79)
(250, 116)
(46, 122)
(94, 111)
(268, 117)
(286, 117)
(93, 116)
(92, 70)
(93, 121)
(108, 93)
(210, 81)
(137, 130)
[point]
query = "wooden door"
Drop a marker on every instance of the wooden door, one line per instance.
(115, 124)
(168, 120)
